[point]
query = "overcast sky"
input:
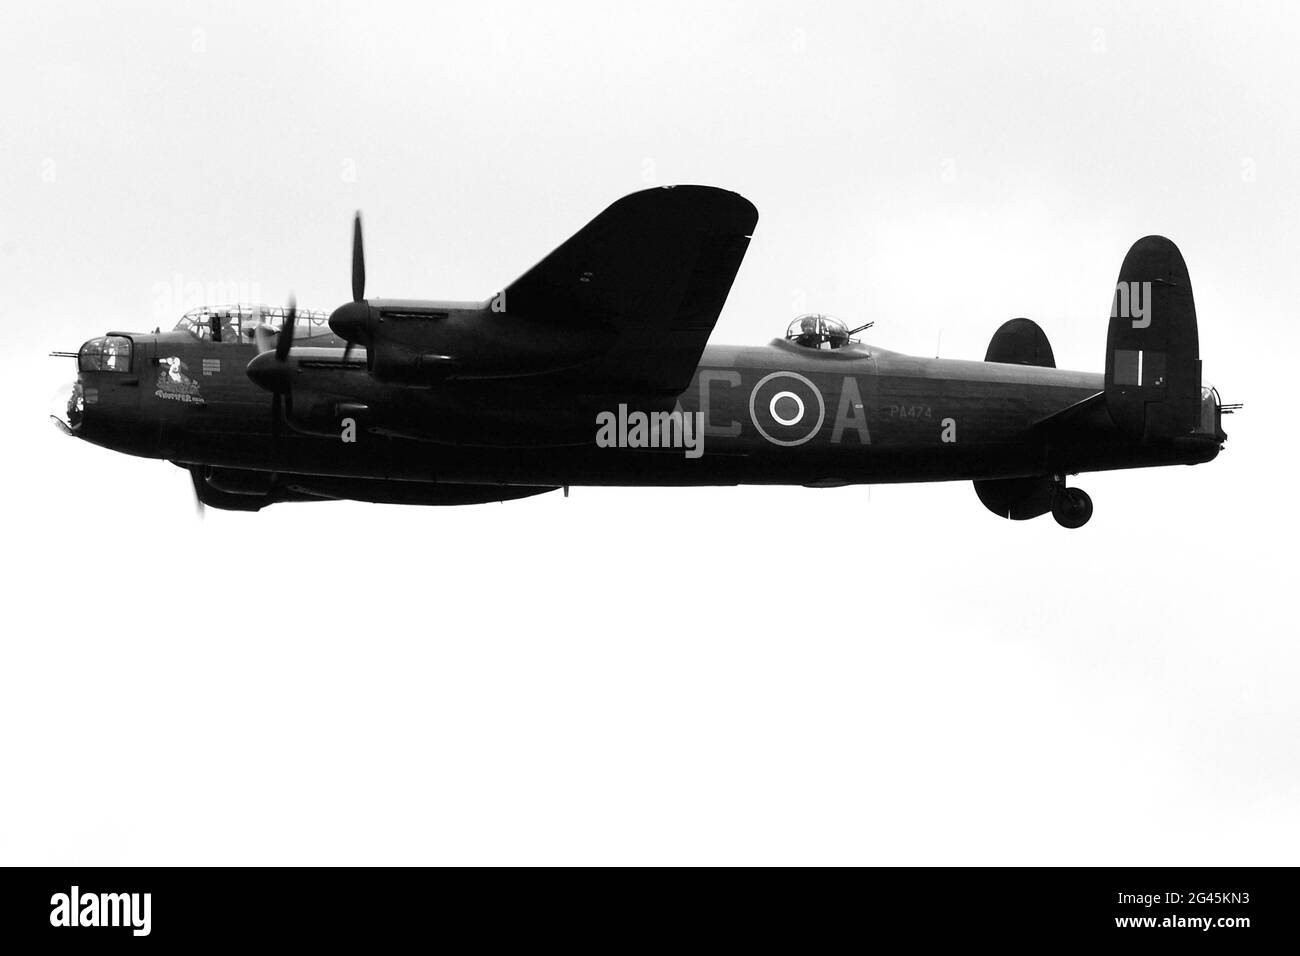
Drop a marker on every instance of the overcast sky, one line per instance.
(885, 675)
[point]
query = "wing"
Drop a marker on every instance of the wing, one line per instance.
(655, 268)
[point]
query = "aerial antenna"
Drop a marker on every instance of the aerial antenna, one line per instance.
(937, 342)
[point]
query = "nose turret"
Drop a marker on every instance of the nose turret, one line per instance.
(113, 401)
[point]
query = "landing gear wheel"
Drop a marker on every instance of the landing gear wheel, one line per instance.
(1071, 507)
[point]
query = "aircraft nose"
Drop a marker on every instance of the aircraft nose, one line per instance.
(67, 407)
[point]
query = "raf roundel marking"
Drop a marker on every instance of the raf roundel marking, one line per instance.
(794, 426)
(771, 407)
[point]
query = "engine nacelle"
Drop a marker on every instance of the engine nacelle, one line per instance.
(412, 342)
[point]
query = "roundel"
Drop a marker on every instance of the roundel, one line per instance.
(786, 408)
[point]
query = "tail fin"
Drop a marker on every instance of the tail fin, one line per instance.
(1153, 364)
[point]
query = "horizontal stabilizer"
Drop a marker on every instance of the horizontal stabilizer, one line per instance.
(1020, 342)
(1088, 414)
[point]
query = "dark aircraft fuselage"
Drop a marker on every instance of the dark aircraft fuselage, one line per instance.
(773, 414)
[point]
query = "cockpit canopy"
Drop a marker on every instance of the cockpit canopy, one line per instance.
(817, 331)
(237, 323)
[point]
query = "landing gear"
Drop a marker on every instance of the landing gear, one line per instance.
(1071, 507)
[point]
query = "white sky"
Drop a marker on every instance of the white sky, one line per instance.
(713, 675)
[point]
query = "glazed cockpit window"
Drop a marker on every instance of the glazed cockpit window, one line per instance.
(239, 323)
(817, 331)
(197, 325)
(111, 353)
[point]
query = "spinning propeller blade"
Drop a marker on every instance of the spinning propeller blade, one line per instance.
(358, 261)
(264, 338)
(285, 341)
(270, 366)
(351, 321)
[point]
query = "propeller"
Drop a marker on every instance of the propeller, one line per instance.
(270, 367)
(350, 321)
(285, 341)
(264, 338)
(358, 261)
(282, 397)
